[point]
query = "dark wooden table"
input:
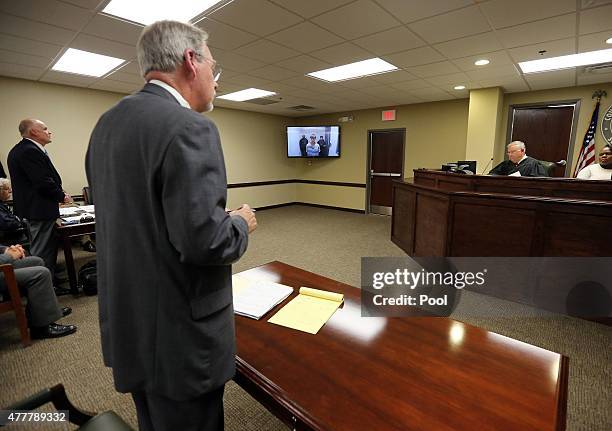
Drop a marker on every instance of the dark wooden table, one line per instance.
(417, 373)
(66, 233)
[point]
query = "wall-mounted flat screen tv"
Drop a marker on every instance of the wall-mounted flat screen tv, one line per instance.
(313, 141)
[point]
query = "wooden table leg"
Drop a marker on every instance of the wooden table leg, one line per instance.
(72, 278)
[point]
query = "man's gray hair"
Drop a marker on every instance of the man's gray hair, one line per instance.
(519, 144)
(4, 183)
(25, 126)
(162, 44)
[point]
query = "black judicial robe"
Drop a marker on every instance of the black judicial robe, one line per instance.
(528, 167)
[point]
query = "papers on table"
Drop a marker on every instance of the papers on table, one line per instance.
(309, 311)
(253, 298)
(87, 208)
(515, 174)
(74, 214)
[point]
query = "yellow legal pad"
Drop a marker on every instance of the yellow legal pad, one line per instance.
(308, 311)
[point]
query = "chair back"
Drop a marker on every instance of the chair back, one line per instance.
(14, 303)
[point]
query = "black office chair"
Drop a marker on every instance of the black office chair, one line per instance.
(105, 421)
(550, 167)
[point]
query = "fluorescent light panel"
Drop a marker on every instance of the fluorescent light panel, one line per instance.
(248, 94)
(373, 66)
(86, 63)
(148, 11)
(566, 61)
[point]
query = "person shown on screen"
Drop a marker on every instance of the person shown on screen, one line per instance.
(601, 170)
(518, 163)
(165, 300)
(303, 143)
(324, 146)
(313, 149)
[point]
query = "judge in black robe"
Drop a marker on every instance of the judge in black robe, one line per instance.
(519, 162)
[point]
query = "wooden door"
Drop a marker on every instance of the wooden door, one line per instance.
(546, 132)
(386, 164)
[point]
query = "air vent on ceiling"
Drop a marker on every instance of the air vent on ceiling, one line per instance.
(598, 68)
(262, 101)
(301, 107)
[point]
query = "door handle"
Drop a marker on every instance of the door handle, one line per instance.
(384, 174)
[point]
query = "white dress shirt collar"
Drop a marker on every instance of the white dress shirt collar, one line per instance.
(38, 145)
(524, 157)
(180, 99)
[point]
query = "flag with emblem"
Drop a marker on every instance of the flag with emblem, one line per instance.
(587, 152)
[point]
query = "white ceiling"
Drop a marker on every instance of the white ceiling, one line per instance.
(272, 44)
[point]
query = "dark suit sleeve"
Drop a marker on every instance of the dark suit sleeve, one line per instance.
(8, 221)
(36, 167)
(194, 190)
(539, 170)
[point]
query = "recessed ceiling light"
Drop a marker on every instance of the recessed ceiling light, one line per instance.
(459, 87)
(147, 12)
(482, 62)
(609, 40)
(566, 61)
(248, 94)
(86, 63)
(373, 66)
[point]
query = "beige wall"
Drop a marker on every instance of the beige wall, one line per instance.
(583, 94)
(253, 144)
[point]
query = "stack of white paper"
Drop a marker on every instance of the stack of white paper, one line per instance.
(254, 298)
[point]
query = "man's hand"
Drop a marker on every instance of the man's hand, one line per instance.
(15, 251)
(247, 214)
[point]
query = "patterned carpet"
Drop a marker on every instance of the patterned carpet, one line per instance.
(330, 243)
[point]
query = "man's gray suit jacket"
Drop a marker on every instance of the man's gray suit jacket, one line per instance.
(164, 247)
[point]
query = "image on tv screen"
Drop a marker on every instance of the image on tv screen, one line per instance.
(313, 141)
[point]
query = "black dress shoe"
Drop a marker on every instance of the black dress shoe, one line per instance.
(89, 246)
(53, 330)
(59, 291)
(66, 311)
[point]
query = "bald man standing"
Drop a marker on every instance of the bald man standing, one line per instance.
(37, 188)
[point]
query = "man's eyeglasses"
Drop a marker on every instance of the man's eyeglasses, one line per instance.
(216, 68)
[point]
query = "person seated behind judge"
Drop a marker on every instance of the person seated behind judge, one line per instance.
(312, 149)
(34, 278)
(601, 170)
(519, 163)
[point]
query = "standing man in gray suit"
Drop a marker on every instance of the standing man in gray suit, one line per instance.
(165, 241)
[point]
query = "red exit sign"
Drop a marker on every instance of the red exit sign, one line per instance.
(388, 115)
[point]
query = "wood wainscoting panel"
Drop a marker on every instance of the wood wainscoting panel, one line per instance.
(431, 224)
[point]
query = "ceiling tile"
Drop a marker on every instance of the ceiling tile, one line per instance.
(272, 73)
(303, 64)
(266, 51)
(434, 69)
(553, 49)
(26, 46)
(594, 41)
(541, 31)
(411, 85)
(114, 29)
(504, 13)
(597, 19)
(98, 45)
(310, 84)
(86, 4)
(341, 54)
(444, 80)
(246, 81)
(359, 83)
(305, 37)
(451, 25)
(393, 77)
(510, 84)
(381, 91)
(485, 42)
(236, 62)
(585, 4)
(20, 71)
(493, 72)
(34, 30)
(48, 12)
(116, 86)
(393, 40)
(131, 67)
(414, 57)
(431, 94)
(224, 36)
(310, 8)
(68, 79)
(498, 58)
(270, 18)
(126, 78)
(556, 79)
(357, 19)
(24, 59)
(594, 78)
(414, 10)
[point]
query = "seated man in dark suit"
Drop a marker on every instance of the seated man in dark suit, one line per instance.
(518, 163)
(34, 278)
(8, 220)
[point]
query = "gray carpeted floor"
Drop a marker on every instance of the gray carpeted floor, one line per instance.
(330, 243)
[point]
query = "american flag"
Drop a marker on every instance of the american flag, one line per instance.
(587, 152)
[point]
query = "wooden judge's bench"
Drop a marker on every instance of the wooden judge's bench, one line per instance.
(446, 214)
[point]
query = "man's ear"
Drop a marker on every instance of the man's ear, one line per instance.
(189, 60)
